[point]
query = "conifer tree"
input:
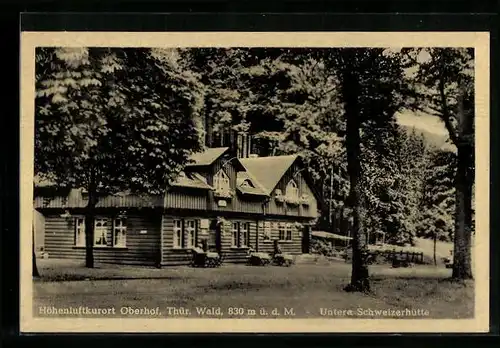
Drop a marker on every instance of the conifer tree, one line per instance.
(446, 78)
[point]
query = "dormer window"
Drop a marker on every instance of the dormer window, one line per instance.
(292, 192)
(247, 184)
(222, 185)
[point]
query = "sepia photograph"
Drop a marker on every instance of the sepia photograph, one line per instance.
(247, 182)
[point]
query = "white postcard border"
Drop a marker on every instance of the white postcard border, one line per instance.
(478, 40)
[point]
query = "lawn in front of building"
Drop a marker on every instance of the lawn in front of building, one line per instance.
(238, 290)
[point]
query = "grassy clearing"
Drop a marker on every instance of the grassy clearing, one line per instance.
(305, 288)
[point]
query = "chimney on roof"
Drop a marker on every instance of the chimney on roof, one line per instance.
(243, 145)
(239, 142)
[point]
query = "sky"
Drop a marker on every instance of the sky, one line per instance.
(432, 127)
(421, 121)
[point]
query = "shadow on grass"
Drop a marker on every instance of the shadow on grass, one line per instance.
(444, 297)
(235, 285)
(450, 280)
(427, 279)
(75, 278)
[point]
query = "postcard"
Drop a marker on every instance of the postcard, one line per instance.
(254, 182)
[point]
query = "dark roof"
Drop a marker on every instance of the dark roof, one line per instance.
(207, 157)
(268, 171)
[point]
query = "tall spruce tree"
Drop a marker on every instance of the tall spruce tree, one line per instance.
(446, 76)
(372, 85)
(438, 201)
(394, 164)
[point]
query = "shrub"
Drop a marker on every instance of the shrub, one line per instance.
(321, 247)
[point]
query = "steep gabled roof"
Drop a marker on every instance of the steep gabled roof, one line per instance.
(191, 180)
(255, 188)
(268, 171)
(207, 157)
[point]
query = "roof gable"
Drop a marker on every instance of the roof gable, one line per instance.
(268, 171)
(207, 157)
(247, 184)
(191, 180)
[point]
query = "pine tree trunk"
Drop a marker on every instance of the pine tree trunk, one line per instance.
(89, 222)
(359, 275)
(462, 267)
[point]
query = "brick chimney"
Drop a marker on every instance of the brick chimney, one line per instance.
(243, 145)
(239, 142)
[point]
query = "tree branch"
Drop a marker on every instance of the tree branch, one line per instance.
(445, 112)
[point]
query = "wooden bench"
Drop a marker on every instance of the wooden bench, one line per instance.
(259, 259)
(206, 259)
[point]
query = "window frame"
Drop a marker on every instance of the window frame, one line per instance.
(235, 234)
(110, 226)
(122, 229)
(240, 234)
(292, 184)
(288, 232)
(178, 240)
(267, 234)
(104, 226)
(80, 232)
(190, 233)
(281, 231)
(244, 237)
(184, 236)
(221, 176)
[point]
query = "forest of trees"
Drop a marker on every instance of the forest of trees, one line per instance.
(336, 107)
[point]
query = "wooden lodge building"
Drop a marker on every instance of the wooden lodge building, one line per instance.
(229, 200)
